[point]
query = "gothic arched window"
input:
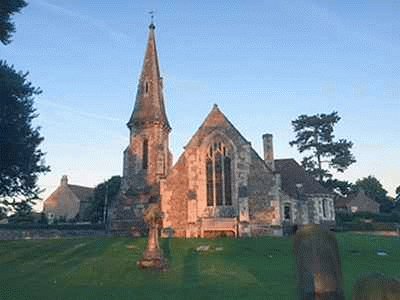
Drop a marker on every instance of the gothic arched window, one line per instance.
(219, 177)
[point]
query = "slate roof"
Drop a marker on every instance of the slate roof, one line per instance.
(82, 192)
(292, 174)
(341, 202)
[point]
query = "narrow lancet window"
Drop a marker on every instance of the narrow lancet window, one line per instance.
(218, 179)
(210, 182)
(145, 153)
(227, 178)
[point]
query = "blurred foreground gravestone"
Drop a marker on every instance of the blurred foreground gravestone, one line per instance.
(318, 264)
(376, 287)
(153, 257)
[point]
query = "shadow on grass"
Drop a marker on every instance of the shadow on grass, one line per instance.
(191, 273)
(166, 248)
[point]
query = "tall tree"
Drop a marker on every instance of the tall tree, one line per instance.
(374, 190)
(7, 9)
(398, 193)
(21, 160)
(108, 189)
(314, 135)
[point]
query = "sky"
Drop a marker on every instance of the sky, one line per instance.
(263, 62)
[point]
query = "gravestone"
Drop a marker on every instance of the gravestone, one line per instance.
(318, 264)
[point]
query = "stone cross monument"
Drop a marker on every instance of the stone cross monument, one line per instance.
(153, 257)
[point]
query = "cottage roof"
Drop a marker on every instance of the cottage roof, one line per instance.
(355, 199)
(84, 193)
(294, 176)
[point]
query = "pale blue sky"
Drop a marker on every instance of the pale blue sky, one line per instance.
(262, 62)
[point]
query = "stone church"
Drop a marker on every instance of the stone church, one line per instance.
(219, 184)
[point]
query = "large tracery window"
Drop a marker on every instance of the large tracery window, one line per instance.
(218, 172)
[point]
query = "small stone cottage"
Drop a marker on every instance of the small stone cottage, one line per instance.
(358, 202)
(68, 201)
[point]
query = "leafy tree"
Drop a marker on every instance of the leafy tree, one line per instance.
(397, 200)
(374, 190)
(21, 160)
(23, 213)
(110, 188)
(7, 9)
(3, 213)
(314, 135)
(342, 187)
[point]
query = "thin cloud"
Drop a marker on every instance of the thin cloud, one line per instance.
(100, 25)
(316, 10)
(79, 112)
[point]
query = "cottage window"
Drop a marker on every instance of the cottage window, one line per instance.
(287, 212)
(324, 208)
(219, 177)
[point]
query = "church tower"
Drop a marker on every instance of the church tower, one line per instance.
(147, 159)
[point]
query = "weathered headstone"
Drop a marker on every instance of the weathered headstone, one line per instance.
(376, 287)
(318, 264)
(153, 257)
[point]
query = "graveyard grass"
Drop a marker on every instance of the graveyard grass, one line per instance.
(105, 268)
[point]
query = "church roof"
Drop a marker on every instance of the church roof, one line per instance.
(292, 174)
(149, 105)
(216, 120)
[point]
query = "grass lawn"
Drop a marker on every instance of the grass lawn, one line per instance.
(106, 268)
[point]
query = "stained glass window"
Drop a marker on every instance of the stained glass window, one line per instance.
(227, 178)
(210, 182)
(218, 173)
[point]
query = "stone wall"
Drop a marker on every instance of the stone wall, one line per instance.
(261, 192)
(158, 164)
(38, 234)
(255, 188)
(317, 209)
(174, 199)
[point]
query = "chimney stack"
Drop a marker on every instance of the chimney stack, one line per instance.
(268, 151)
(64, 180)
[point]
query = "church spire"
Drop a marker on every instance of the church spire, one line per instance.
(149, 106)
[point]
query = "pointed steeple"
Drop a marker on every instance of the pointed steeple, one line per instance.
(149, 106)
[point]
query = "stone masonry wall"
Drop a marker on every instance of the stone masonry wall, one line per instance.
(174, 198)
(261, 192)
(37, 234)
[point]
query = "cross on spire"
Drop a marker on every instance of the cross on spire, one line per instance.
(151, 13)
